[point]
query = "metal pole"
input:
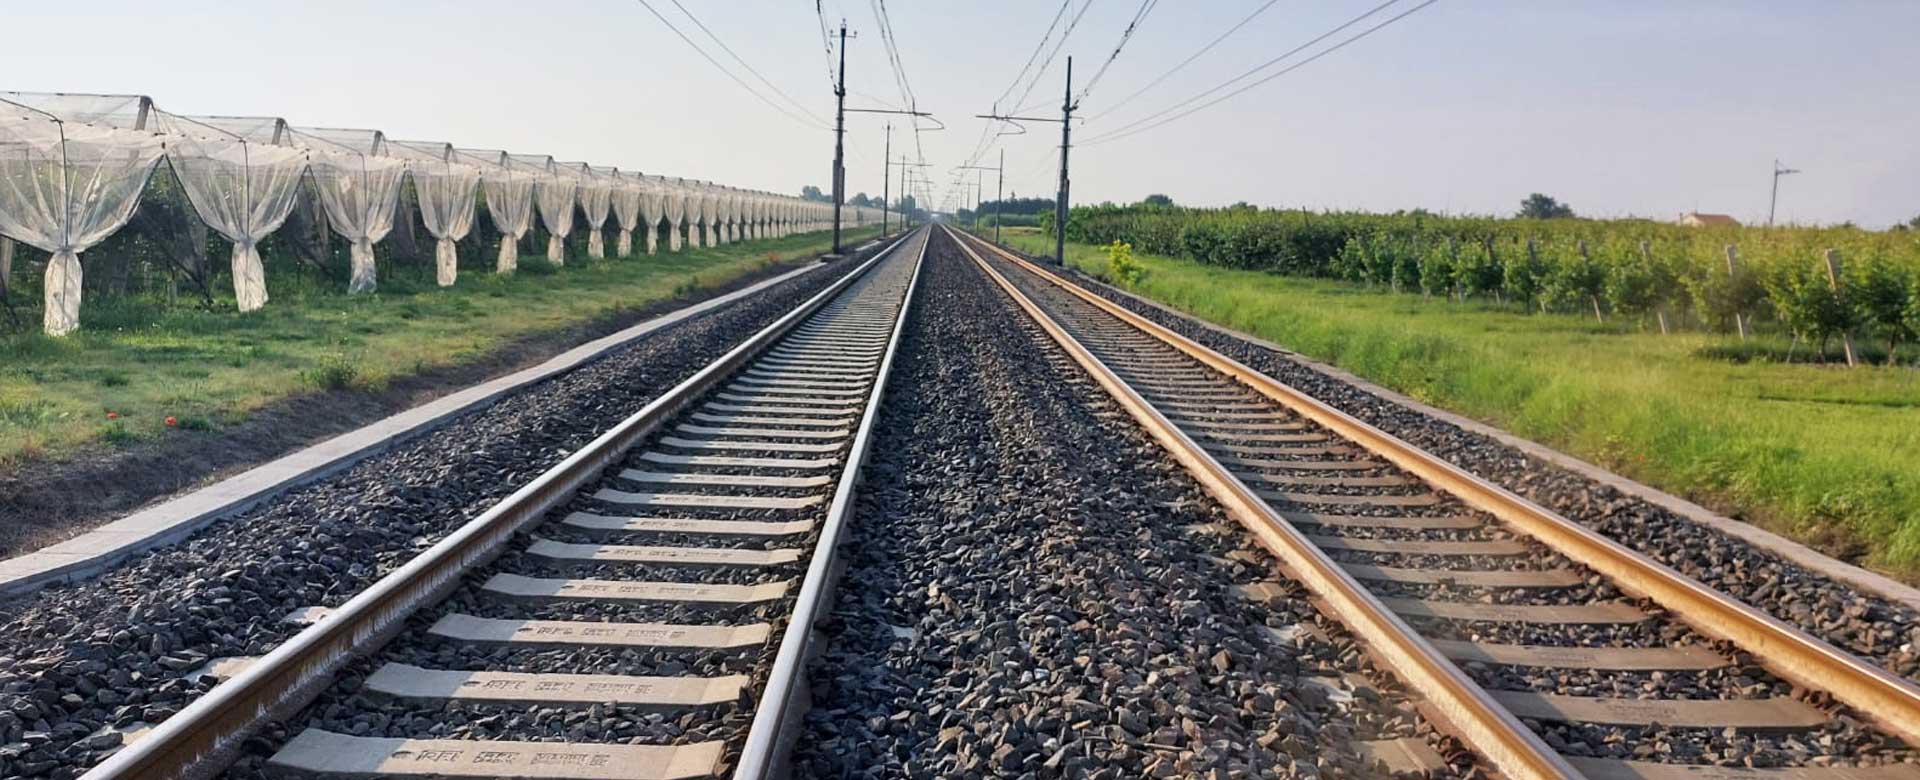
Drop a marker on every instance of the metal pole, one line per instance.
(839, 138)
(1060, 207)
(979, 177)
(1774, 200)
(886, 169)
(999, 193)
(906, 214)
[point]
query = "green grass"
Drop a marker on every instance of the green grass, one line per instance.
(145, 362)
(1824, 454)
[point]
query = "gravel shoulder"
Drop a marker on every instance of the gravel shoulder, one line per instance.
(120, 649)
(1026, 592)
(1861, 622)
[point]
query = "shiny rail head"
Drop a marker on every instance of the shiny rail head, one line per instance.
(1891, 702)
(1450, 696)
(196, 742)
(763, 757)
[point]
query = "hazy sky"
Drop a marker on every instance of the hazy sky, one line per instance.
(1616, 107)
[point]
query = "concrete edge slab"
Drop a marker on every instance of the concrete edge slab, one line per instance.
(1788, 549)
(176, 518)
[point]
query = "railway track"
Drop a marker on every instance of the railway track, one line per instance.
(669, 571)
(1551, 651)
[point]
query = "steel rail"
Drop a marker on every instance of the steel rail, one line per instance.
(1450, 695)
(764, 753)
(198, 741)
(1890, 701)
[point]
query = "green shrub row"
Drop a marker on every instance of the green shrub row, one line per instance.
(1724, 279)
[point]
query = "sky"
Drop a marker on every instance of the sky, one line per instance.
(1616, 107)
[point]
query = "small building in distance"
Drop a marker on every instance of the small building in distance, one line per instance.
(1697, 219)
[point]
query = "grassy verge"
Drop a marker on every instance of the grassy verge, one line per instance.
(1826, 455)
(137, 369)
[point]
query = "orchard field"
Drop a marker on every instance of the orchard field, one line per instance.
(1816, 286)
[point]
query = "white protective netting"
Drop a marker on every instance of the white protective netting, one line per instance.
(445, 187)
(696, 212)
(66, 185)
(653, 209)
(509, 194)
(359, 187)
(729, 202)
(710, 212)
(595, 191)
(628, 197)
(242, 178)
(749, 220)
(741, 217)
(554, 196)
(681, 208)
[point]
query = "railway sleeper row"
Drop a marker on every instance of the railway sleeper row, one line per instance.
(1591, 670)
(659, 592)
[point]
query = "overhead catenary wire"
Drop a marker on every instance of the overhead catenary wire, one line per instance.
(826, 38)
(803, 119)
(743, 63)
(1055, 52)
(987, 136)
(1037, 48)
(893, 52)
(987, 142)
(1262, 66)
(899, 68)
(1140, 125)
(1184, 63)
(1139, 15)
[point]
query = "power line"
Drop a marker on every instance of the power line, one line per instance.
(826, 38)
(1183, 63)
(1256, 69)
(883, 102)
(814, 123)
(899, 71)
(893, 54)
(1057, 46)
(1146, 7)
(1037, 48)
(985, 143)
(743, 63)
(1125, 131)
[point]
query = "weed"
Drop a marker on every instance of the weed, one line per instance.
(1121, 267)
(537, 266)
(118, 435)
(334, 372)
(25, 414)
